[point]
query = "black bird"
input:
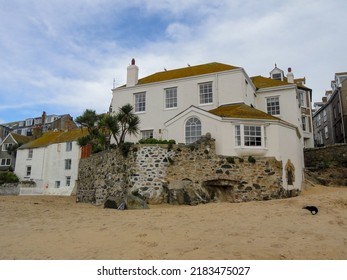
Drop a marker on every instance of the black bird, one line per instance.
(312, 209)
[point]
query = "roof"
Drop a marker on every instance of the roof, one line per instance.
(55, 137)
(241, 111)
(189, 71)
(263, 82)
(21, 139)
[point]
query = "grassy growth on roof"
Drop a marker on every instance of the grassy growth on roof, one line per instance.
(21, 139)
(54, 137)
(186, 72)
(263, 82)
(241, 111)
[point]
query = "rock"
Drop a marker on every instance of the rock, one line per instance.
(135, 202)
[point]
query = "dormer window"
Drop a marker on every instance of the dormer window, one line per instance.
(277, 76)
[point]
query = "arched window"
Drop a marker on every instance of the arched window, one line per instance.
(193, 130)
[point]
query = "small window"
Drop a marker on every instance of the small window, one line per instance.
(68, 146)
(206, 94)
(57, 184)
(326, 132)
(28, 170)
(193, 130)
(324, 115)
(303, 119)
(145, 134)
(68, 181)
(277, 76)
(140, 102)
(30, 153)
(5, 162)
(171, 97)
(67, 164)
(273, 105)
(6, 146)
(29, 122)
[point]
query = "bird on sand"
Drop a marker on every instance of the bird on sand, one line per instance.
(312, 209)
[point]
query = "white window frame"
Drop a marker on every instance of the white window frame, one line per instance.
(69, 146)
(192, 129)
(145, 134)
(68, 181)
(5, 162)
(5, 146)
(250, 136)
(57, 184)
(206, 93)
(326, 132)
(140, 102)
(170, 98)
(304, 123)
(68, 164)
(273, 105)
(29, 122)
(28, 170)
(30, 153)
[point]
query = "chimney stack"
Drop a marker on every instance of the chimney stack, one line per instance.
(132, 74)
(290, 76)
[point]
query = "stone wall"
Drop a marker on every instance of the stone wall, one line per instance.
(335, 155)
(178, 174)
(16, 188)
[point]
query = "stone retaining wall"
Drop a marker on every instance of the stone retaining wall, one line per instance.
(335, 155)
(179, 174)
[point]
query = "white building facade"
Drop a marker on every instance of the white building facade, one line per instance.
(51, 162)
(185, 104)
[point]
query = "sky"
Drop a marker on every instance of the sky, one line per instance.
(63, 56)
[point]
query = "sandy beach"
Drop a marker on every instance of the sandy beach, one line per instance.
(47, 227)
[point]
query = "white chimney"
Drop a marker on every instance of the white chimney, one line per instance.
(132, 74)
(290, 76)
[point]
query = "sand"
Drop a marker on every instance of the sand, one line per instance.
(47, 227)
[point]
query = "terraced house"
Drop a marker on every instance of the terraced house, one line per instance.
(51, 161)
(256, 116)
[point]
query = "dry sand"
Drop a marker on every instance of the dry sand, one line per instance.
(46, 227)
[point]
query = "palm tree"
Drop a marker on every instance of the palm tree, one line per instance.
(129, 122)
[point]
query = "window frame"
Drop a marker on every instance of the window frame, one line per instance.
(170, 101)
(69, 146)
(194, 135)
(273, 108)
(5, 162)
(205, 96)
(140, 102)
(30, 153)
(149, 131)
(28, 170)
(250, 134)
(68, 181)
(68, 164)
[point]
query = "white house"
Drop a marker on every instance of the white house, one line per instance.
(51, 161)
(184, 104)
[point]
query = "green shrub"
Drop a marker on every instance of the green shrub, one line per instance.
(156, 141)
(8, 177)
(124, 148)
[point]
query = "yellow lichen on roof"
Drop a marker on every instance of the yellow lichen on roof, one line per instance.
(54, 137)
(241, 111)
(21, 139)
(263, 82)
(186, 72)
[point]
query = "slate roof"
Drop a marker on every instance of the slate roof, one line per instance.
(241, 111)
(54, 137)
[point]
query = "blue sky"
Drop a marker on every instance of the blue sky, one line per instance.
(61, 56)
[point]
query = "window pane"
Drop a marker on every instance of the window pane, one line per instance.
(140, 102)
(193, 130)
(206, 95)
(273, 105)
(171, 98)
(252, 135)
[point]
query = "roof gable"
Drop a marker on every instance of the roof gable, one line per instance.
(190, 71)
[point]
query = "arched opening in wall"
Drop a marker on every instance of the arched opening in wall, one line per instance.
(221, 189)
(290, 173)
